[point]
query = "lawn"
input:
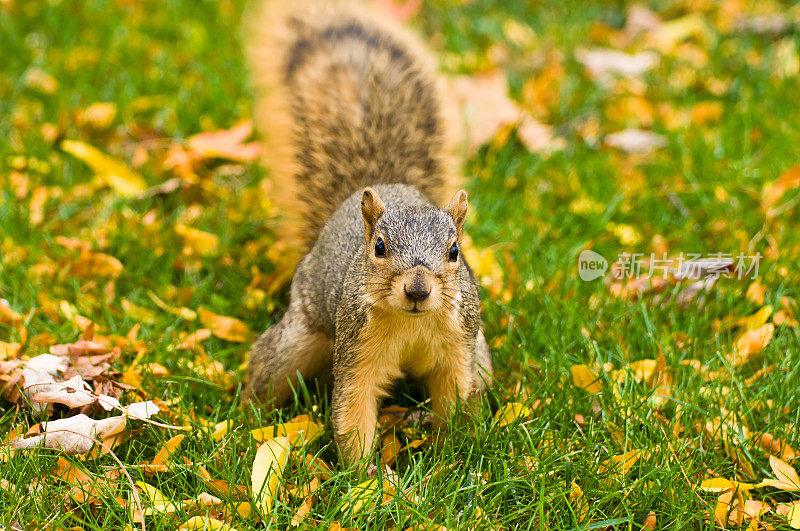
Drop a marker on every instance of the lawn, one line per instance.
(627, 403)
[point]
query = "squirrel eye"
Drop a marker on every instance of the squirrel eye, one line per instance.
(453, 256)
(380, 248)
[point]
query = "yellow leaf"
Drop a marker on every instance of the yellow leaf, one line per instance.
(227, 328)
(219, 430)
(619, 465)
(268, 466)
(785, 475)
(205, 524)
(110, 171)
(579, 503)
(9, 350)
(365, 495)
(643, 369)
(137, 312)
(200, 242)
(584, 377)
(722, 484)
(510, 413)
(794, 516)
(99, 115)
(308, 430)
(157, 498)
(186, 313)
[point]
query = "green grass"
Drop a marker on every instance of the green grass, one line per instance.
(175, 68)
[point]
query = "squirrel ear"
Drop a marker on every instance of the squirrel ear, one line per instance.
(371, 209)
(457, 208)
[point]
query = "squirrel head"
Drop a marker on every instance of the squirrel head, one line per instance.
(413, 254)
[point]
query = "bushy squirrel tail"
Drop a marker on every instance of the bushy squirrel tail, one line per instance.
(345, 98)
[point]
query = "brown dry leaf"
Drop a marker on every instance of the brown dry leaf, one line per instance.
(73, 435)
(793, 514)
(586, 378)
(774, 190)
(650, 522)
(227, 328)
(225, 144)
(110, 171)
(198, 242)
(485, 105)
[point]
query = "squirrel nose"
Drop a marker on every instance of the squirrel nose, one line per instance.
(417, 292)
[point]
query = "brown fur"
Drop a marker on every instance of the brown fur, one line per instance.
(371, 106)
(359, 148)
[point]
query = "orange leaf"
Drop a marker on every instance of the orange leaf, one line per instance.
(227, 328)
(774, 190)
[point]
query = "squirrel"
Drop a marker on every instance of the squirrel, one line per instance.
(359, 148)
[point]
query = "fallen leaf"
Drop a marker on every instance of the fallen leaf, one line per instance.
(205, 523)
(227, 328)
(636, 141)
(578, 502)
(399, 11)
(200, 242)
(605, 62)
(110, 171)
(308, 430)
(225, 144)
(365, 495)
(750, 343)
(510, 413)
(73, 435)
(786, 476)
(268, 465)
(186, 313)
(485, 105)
(584, 377)
(776, 189)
